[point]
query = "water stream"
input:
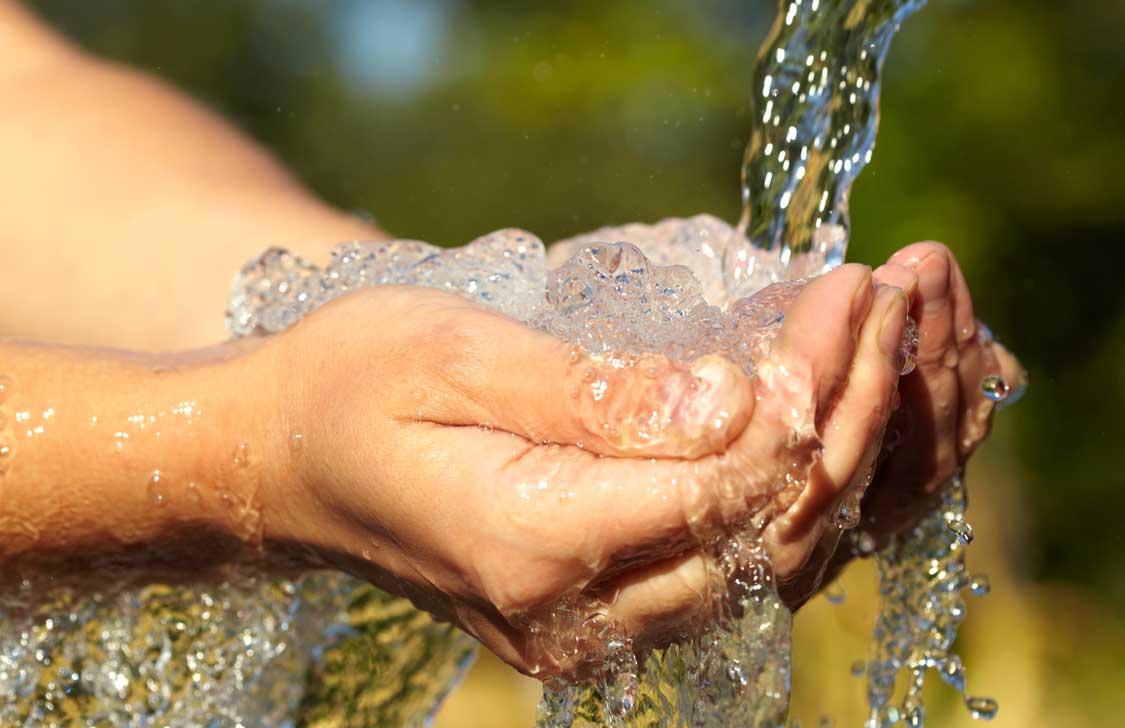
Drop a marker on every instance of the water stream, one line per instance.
(331, 650)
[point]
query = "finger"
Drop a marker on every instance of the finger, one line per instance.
(978, 364)
(899, 277)
(932, 393)
(493, 371)
(813, 351)
(933, 306)
(964, 318)
(852, 435)
(603, 515)
(657, 603)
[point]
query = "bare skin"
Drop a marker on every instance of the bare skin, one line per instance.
(402, 453)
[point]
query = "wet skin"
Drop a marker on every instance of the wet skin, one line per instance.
(490, 472)
(493, 487)
(942, 415)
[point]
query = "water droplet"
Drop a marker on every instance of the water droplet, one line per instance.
(5, 455)
(960, 527)
(858, 668)
(5, 387)
(995, 388)
(863, 544)
(158, 488)
(982, 708)
(3, 420)
(979, 585)
(242, 455)
(296, 442)
(909, 351)
(847, 514)
(953, 673)
(835, 594)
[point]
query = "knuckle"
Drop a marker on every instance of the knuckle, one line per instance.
(463, 351)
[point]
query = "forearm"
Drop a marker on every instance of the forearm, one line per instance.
(125, 208)
(115, 458)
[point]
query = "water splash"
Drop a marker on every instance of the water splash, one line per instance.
(921, 578)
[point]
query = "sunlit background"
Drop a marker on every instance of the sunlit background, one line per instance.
(1002, 135)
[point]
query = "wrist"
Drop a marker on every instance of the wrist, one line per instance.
(134, 462)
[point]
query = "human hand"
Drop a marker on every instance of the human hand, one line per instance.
(492, 473)
(945, 413)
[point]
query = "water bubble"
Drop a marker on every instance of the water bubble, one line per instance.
(982, 708)
(5, 387)
(979, 585)
(953, 673)
(920, 579)
(847, 514)
(995, 388)
(5, 455)
(909, 351)
(863, 544)
(961, 527)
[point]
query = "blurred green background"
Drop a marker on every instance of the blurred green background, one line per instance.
(1002, 135)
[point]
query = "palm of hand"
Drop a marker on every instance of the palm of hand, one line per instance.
(495, 488)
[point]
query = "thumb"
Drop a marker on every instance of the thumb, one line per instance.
(534, 385)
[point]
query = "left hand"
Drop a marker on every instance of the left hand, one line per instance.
(944, 415)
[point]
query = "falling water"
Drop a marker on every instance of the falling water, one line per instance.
(816, 95)
(816, 113)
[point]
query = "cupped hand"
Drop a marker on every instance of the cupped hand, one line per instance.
(945, 412)
(494, 474)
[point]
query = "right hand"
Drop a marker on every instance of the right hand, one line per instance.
(489, 472)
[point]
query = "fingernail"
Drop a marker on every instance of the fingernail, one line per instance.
(714, 400)
(861, 299)
(893, 324)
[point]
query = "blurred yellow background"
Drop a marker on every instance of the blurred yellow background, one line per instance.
(1002, 136)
